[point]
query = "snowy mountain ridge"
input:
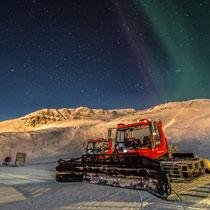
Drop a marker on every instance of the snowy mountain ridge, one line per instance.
(60, 132)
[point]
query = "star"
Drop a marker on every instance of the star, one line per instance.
(106, 54)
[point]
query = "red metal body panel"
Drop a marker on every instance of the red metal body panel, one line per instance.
(141, 122)
(96, 140)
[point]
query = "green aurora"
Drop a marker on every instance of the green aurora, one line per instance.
(183, 29)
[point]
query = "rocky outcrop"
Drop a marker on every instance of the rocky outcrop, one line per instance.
(46, 116)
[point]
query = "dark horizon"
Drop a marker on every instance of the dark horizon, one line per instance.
(102, 54)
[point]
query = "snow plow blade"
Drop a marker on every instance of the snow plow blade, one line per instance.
(143, 174)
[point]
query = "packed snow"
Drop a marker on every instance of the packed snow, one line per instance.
(34, 187)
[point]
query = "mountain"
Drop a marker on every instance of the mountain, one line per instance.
(52, 133)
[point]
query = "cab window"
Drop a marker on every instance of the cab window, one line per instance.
(156, 135)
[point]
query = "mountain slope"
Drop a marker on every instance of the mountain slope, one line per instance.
(53, 133)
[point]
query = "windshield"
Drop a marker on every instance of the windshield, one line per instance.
(134, 137)
(90, 145)
(94, 147)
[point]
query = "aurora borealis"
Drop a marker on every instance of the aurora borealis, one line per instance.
(179, 63)
(183, 29)
(102, 54)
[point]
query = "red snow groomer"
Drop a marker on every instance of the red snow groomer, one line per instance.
(137, 157)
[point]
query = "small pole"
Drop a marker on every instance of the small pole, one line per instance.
(140, 197)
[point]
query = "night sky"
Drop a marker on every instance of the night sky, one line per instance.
(102, 53)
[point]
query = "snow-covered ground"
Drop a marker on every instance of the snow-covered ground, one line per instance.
(34, 187)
